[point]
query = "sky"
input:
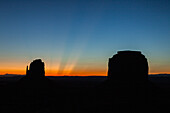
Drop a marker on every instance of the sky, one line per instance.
(77, 37)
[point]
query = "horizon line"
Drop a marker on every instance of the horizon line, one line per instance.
(80, 75)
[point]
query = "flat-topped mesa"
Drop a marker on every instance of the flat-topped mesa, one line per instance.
(36, 69)
(128, 67)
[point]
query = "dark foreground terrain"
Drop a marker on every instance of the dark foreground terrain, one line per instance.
(82, 95)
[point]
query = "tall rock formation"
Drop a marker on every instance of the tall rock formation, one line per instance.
(35, 75)
(128, 67)
(36, 69)
(128, 78)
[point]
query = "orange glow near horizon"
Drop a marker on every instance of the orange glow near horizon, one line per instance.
(55, 73)
(71, 68)
(65, 73)
(71, 72)
(18, 72)
(55, 69)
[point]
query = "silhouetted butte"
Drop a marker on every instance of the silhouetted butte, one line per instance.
(128, 67)
(35, 74)
(128, 77)
(36, 70)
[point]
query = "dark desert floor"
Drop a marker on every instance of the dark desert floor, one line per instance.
(80, 95)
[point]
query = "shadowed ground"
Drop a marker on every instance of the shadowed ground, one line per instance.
(80, 94)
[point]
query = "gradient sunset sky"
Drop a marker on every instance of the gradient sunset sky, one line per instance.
(77, 37)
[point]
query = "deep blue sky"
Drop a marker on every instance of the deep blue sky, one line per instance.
(83, 34)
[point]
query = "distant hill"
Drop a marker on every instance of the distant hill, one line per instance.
(159, 75)
(11, 75)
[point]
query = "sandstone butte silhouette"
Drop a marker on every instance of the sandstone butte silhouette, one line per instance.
(36, 70)
(128, 76)
(128, 67)
(35, 74)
